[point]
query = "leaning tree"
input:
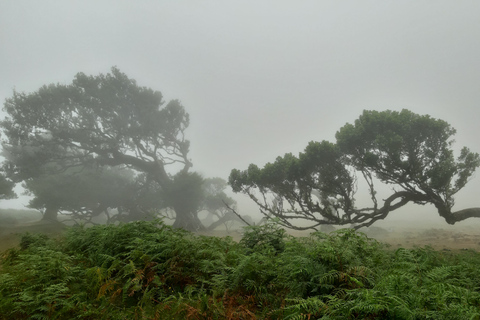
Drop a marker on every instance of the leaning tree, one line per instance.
(104, 120)
(411, 153)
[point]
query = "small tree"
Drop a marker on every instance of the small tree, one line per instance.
(409, 152)
(83, 193)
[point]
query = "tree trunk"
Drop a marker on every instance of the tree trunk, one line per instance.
(219, 222)
(226, 218)
(50, 214)
(187, 220)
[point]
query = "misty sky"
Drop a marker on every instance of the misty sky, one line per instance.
(261, 78)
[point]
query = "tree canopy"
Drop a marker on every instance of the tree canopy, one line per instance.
(411, 153)
(6, 188)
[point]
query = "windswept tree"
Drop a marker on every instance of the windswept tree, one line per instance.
(104, 120)
(411, 153)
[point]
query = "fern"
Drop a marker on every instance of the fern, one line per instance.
(303, 309)
(147, 270)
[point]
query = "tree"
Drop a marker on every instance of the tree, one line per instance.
(96, 121)
(217, 204)
(85, 193)
(411, 153)
(185, 196)
(195, 194)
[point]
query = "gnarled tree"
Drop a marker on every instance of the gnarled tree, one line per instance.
(411, 153)
(104, 120)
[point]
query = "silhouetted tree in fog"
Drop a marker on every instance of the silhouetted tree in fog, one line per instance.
(84, 193)
(96, 121)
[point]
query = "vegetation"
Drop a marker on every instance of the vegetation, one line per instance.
(6, 188)
(102, 142)
(94, 122)
(84, 193)
(105, 145)
(409, 153)
(147, 270)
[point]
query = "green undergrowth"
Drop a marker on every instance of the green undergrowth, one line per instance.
(147, 270)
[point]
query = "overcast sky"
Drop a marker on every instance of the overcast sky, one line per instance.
(261, 78)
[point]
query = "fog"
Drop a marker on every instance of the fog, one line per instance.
(260, 79)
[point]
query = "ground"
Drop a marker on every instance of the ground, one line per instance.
(397, 234)
(407, 234)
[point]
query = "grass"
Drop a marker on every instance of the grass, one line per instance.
(148, 270)
(11, 233)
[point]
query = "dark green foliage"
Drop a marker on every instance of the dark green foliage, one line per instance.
(29, 240)
(6, 188)
(269, 235)
(147, 270)
(409, 153)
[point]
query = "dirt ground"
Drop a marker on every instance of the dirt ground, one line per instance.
(406, 234)
(397, 234)
(440, 235)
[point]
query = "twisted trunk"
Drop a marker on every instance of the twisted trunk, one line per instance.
(187, 220)
(184, 219)
(51, 213)
(457, 216)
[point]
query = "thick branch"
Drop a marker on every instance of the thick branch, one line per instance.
(461, 215)
(234, 212)
(154, 169)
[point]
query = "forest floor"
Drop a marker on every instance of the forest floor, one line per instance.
(406, 234)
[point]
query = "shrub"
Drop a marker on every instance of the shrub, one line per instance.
(270, 235)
